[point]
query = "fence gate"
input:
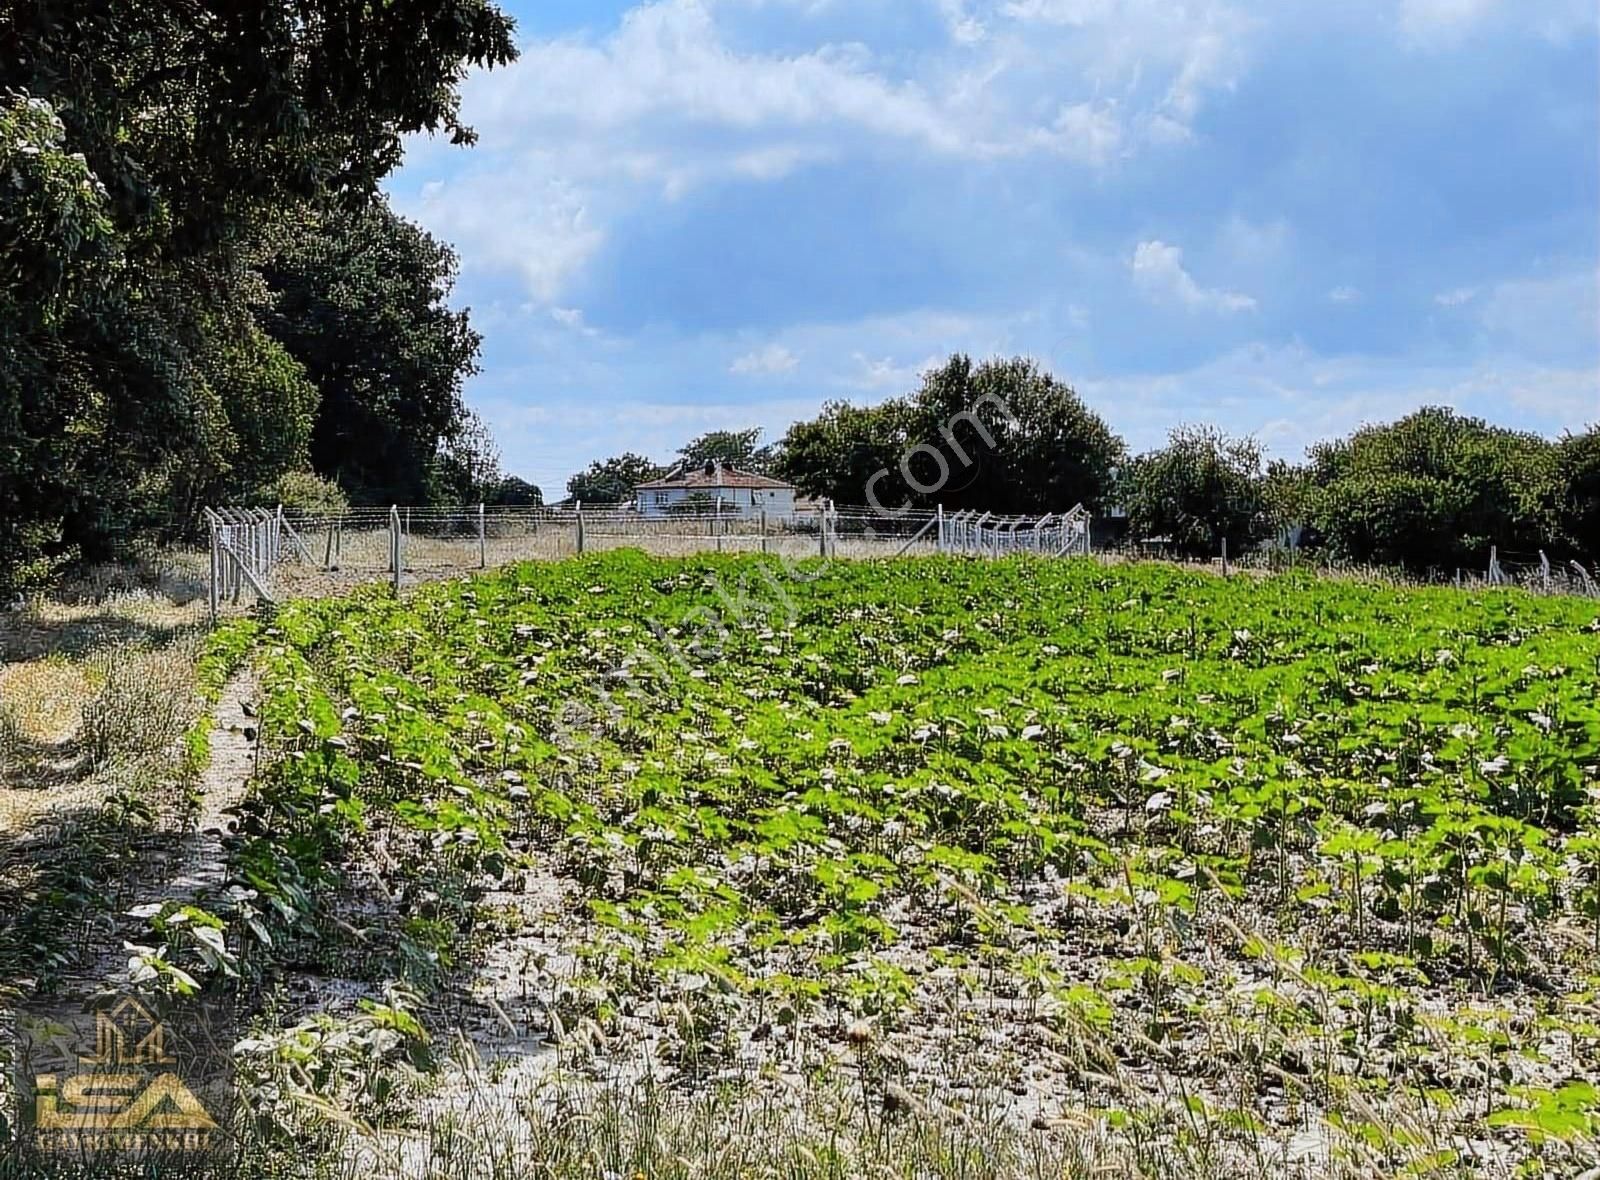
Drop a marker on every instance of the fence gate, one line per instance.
(247, 544)
(987, 535)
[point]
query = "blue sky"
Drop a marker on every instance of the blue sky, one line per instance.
(1286, 218)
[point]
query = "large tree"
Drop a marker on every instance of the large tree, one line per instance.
(612, 481)
(1201, 489)
(150, 151)
(1002, 436)
(731, 448)
(1433, 490)
(1576, 492)
(360, 298)
(836, 455)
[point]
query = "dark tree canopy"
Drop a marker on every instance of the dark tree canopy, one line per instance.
(1433, 490)
(731, 448)
(1002, 436)
(154, 154)
(1577, 493)
(1199, 490)
(512, 492)
(360, 299)
(200, 115)
(836, 454)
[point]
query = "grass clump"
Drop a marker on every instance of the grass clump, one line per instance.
(145, 699)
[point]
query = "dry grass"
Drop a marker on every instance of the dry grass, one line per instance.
(92, 682)
(43, 699)
(143, 702)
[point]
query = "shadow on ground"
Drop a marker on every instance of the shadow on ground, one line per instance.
(27, 637)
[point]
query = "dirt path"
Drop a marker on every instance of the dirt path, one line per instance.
(196, 863)
(200, 862)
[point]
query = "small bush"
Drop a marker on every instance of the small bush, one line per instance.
(305, 493)
(144, 702)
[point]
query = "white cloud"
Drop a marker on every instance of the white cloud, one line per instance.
(768, 361)
(1172, 57)
(1158, 271)
(572, 317)
(886, 376)
(667, 60)
(1291, 397)
(1441, 21)
(586, 129)
(1088, 132)
(1555, 318)
(963, 27)
(1344, 295)
(1457, 297)
(1446, 24)
(544, 233)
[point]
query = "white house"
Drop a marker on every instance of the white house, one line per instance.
(715, 488)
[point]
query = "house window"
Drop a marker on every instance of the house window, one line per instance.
(663, 498)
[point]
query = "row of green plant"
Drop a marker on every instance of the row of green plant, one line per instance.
(1078, 790)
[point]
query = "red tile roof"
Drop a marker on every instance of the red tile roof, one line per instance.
(720, 477)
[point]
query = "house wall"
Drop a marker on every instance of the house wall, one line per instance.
(655, 504)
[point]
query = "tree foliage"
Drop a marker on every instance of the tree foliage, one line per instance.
(1576, 493)
(154, 156)
(612, 481)
(731, 448)
(360, 299)
(1433, 490)
(1201, 489)
(1002, 436)
(512, 492)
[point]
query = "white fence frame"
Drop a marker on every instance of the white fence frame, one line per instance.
(248, 545)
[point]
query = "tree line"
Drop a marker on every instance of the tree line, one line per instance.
(204, 295)
(1431, 491)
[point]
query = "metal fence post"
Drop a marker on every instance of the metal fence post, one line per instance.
(580, 525)
(939, 513)
(394, 546)
(483, 541)
(763, 530)
(216, 566)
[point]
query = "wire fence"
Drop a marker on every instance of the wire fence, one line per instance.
(261, 555)
(264, 555)
(1532, 570)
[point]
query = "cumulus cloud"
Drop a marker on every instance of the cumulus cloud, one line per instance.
(572, 317)
(585, 129)
(1159, 272)
(544, 233)
(765, 362)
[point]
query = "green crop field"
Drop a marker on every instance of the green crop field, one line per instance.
(1219, 876)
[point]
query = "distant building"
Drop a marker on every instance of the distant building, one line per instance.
(715, 488)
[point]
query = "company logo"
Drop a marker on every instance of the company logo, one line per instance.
(120, 1080)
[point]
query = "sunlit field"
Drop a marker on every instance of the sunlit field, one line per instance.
(1121, 867)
